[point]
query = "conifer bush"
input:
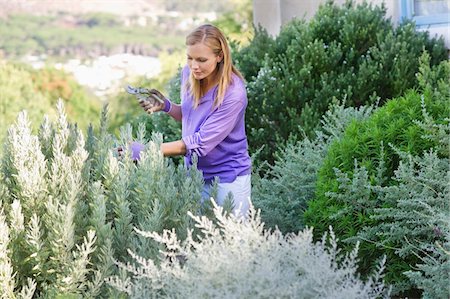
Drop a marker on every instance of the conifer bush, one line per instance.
(69, 206)
(250, 59)
(237, 258)
(349, 51)
(368, 155)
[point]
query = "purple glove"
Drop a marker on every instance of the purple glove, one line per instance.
(136, 148)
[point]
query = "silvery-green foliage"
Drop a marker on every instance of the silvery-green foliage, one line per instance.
(99, 146)
(336, 119)
(283, 194)
(433, 273)
(417, 223)
(7, 281)
(162, 194)
(150, 194)
(356, 191)
(28, 290)
(70, 205)
(436, 132)
(118, 184)
(43, 187)
(104, 258)
(45, 136)
(24, 166)
(238, 258)
(422, 191)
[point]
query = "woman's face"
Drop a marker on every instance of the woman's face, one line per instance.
(201, 60)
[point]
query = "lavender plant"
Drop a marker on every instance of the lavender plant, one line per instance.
(70, 206)
(41, 197)
(7, 281)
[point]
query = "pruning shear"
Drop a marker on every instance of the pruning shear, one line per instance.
(142, 93)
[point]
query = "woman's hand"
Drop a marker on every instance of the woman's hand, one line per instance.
(155, 102)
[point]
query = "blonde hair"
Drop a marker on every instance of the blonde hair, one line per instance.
(213, 38)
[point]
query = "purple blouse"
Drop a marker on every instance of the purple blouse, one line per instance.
(217, 136)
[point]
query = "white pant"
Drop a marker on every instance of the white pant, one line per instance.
(240, 188)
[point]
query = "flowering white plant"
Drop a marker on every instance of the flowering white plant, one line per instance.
(237, 258)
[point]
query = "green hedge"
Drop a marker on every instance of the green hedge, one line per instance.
(350, 51)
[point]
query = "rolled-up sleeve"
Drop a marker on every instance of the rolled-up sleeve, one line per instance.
(216, 127)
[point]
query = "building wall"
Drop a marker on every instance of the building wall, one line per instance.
(268, 15)
(272, 14)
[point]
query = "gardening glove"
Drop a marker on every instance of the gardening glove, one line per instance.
(154, 102)
(135, 148)
(151, 100)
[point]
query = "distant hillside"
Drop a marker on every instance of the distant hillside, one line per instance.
(90, 28)
(117, 7)
(85, 36)
(84, 29)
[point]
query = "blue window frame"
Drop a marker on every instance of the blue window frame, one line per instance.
(426, 12)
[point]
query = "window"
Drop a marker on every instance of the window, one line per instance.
(426, 12)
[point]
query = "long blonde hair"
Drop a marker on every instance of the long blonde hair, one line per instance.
(213, 38)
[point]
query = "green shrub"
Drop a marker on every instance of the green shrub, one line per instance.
(349, 51)
(250, 59)
(417, 221)
(345, 198)
(240, 259)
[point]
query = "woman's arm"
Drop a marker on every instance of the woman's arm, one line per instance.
(174, 148)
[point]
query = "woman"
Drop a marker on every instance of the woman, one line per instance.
(212, 112)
